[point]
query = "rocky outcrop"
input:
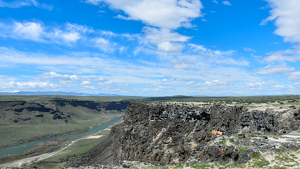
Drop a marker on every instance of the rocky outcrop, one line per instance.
(24, 112)
(173, 134)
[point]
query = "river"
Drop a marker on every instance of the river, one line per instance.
(30, 145)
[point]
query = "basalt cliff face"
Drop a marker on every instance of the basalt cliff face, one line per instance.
(174, 134)
(62, 110)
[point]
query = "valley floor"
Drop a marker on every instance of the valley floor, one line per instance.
(77, 146)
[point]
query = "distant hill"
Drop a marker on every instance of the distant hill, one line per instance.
(54, 93)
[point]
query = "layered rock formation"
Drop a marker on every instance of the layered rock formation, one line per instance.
(23, 112)
(174, 134)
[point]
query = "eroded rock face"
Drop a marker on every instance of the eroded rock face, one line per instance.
(172, 134)
(23, 112)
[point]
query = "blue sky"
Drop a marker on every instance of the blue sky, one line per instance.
(151, 47)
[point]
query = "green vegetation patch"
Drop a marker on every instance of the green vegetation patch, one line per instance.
(200, 166)
(262, 162)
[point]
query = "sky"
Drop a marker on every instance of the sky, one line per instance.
(151, 47)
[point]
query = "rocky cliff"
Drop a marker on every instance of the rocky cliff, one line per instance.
(62, 110)
(174, 134)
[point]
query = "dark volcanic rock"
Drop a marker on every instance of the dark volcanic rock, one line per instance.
(171, 134)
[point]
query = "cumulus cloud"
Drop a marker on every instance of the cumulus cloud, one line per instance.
(60, 77)
(154, 13)
(165, 39)
(86, 83)
(215, 1)
(161, 17)
(170, 47)
(258, 85)
(287, 18)
(226, 3)
(274, 70)
(22, 3)
(154, 35)
(36, 31)
(286, 15)
(28, 30)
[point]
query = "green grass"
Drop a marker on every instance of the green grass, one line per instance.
(260, 163)
(47, 165)
(256, 155)
(224, 143)
(200, 166)
(178, 166)
(15, 134)
(236, 165)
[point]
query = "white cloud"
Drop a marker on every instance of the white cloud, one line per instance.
(215, 1)
(98, 79)
(221, 53)
(249, 50)
(167, 80)
(203, 74)
(22, 3)
(169, 14)
(170, 47)
(291, 55)
(207, 83)
(86, 83)
(65, 78)
(71, 37)
(258, 85)
(28, 30)
(164, 39)
(184, 64)
(110, 73)
(14, 84)
(274, 70)
(107, 83)
(287, 18)
(103, 44)
(226, 3)
(294, 76)
(36, 31)
(122, 49)
(284, 86)
(230, 61)
(197, 47)
(154, 35)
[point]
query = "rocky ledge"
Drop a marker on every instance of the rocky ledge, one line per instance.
(174, 134)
